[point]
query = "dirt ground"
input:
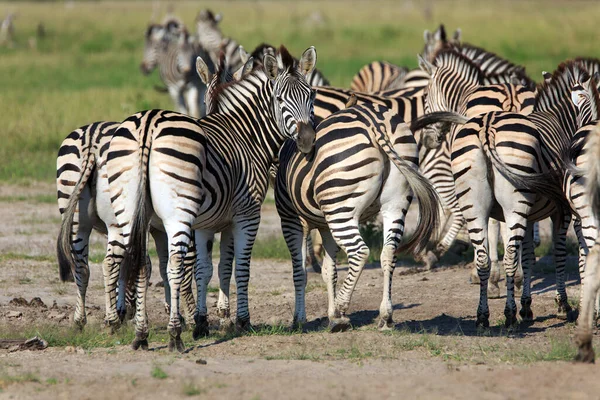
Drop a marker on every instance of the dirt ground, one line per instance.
(434, 352)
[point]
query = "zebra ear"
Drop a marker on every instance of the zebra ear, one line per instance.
(597, 77)
(243, 54)
(203, 71)
(547, 76)
(218, 18)
(457, 35)
(244, 70)
(308, 61)
(425, 65)
(427, 36)
(440, 34)
(270, 66)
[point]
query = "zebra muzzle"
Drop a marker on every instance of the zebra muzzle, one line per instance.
(306, 137)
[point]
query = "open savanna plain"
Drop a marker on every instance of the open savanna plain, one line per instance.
(86, 68)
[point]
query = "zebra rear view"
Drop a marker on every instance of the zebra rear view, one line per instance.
(364, 162)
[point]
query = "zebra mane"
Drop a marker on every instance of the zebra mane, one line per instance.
(450, 55)
(224, 79)
(286, 58)
(151, 28)
(480, 56)
(171, 21)
(206, 16)
(557, 90)
(259, 52)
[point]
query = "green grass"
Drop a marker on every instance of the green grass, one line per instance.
(190, 389)
(7, 379)
(271, 248)
(19, 256)
(158, 373)
(86, 68)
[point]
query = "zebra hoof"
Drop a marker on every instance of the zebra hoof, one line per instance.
(316, 267)
(385, 324)
(137, 343)
(298, 325)
(176, 344)
(243, 325)
(564, 309)
(483, 322)
(585, 354)
(526, 315)
(201, 329)
(511, 321)
(79, 323)
(572, 315)
(341, 324)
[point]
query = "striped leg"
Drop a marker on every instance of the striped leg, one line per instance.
(162, 249)
(584, 334)
(203, 271)
(560, 257)
(493, 237)
(296, 239)
(393, 228)
(141, 316)
(110, 269)
(527, 262)
(225, 270)
(329, 270)
(244, 235)
(80, 248)
(347, 236)
(187, 293)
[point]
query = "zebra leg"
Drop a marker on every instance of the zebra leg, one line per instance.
(225, 270)
(141, 317)
(244, 234)
(560, 256)
(80, 248)
(527, 262)
(296, 239)
(329, 270)
(517, 224)
(347, 236)
(493, 236)
(110, 269)
(584, 333)
(204, 270)
(162, 249)
(187, 294)
(393, 228)
(536, 234)
(316, 249)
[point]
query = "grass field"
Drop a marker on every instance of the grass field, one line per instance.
(86, 67)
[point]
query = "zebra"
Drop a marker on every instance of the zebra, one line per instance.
(211, 38)
(537, 142)
(84, 204)
(170, 48)
(364, 161)
(382, 75)
(7, 30)
(207, 176)
(585, 323)
(316, 77)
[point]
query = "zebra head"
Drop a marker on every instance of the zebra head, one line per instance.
(585, 97)
(293, 98)
(155, 35)
(185, 52)
(437, 40)
(453, 77)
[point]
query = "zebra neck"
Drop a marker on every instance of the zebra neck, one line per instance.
(255, 127)
(210, 39)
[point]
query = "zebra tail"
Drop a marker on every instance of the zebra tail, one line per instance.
(543, 183)
(437, 117)
(135, 253)
(64, 243)
(424, 192)
(592, 148)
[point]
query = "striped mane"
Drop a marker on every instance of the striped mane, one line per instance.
(257, 73)
(461, 64)
(556, 91)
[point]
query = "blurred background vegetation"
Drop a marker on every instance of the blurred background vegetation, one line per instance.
(85, 65)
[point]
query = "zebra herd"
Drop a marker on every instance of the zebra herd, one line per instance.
(469, 132)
